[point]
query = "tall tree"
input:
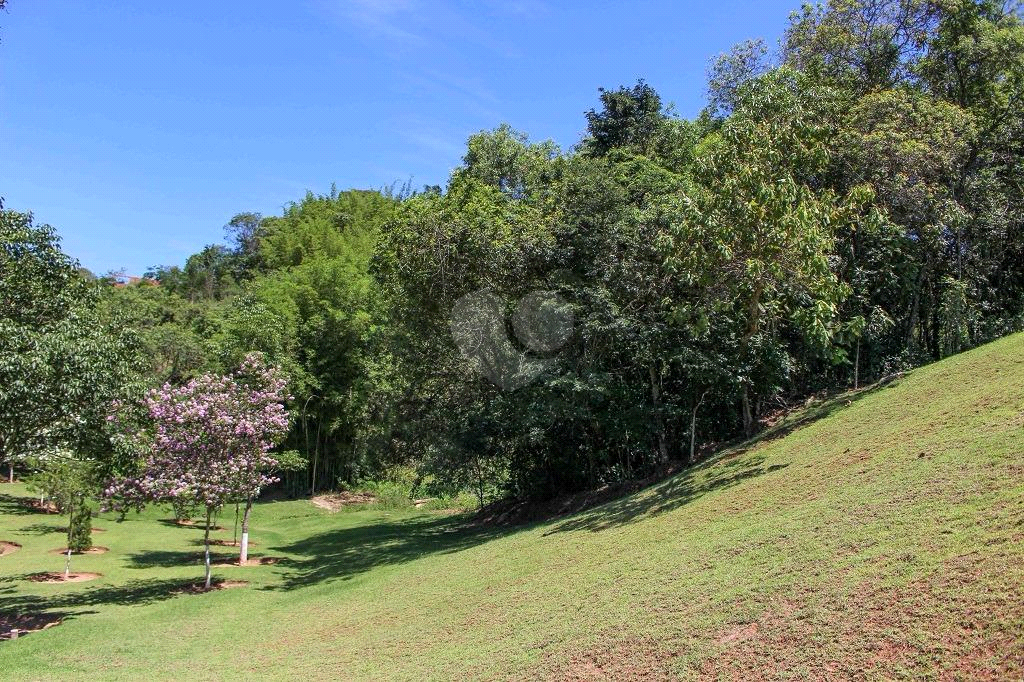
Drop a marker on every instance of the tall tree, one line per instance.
(61, 362)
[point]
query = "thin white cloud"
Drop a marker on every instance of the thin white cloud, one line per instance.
(394, 20)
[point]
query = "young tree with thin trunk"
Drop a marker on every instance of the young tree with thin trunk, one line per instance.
(210, 445)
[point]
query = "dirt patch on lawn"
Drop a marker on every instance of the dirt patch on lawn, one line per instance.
(957, 623)
(8, 547)
(335, 501)
(621, 659)
(46, 507)
(95, 549)
(26, 623)
(61, 578)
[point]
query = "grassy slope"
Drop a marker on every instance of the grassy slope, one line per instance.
(885, 539)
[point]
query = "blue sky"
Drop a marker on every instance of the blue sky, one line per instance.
(138, 129)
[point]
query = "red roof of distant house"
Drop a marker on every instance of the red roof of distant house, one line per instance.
(132, 280)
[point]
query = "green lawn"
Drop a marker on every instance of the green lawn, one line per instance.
(880, 536)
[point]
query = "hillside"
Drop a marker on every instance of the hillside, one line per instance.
(881, 535)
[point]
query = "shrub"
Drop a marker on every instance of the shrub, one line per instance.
(80, 530)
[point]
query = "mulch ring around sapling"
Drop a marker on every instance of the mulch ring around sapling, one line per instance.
(7, 547)
(26, 623)
(95, 549)
(59, 577)
(46, 507)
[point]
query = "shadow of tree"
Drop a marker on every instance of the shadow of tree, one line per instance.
(132, 593)
(158, 558)
(815, 412)
(668, 495)
(198, 525)
(33, 622)
(42, 529)
(727, 468)
(19, 506)
(343, 553)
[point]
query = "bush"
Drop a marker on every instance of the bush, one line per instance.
(390, 494)
(80, 530)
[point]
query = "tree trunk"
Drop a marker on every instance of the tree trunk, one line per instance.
(71, 525)
(748, 415)
(206, 542)
(693, 429)
(243, 551)
(915, 306)
(10, 471)
(856, 367)
(658, 418)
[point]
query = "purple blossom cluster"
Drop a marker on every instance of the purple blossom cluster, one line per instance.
(210, 440)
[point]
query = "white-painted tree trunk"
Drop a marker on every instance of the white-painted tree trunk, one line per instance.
(206, 541)
(71, 525)
(243, 549)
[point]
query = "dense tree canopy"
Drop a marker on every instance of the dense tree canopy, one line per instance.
(846, 207)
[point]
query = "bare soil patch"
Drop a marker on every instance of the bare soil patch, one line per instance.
(46, 507)
(8, 547)
(962, 616)
(55, 577)
(332, 502)
(95, 549)
(624, 659)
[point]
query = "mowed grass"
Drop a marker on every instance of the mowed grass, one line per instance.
(878, 536)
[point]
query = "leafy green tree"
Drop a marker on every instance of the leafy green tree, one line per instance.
(505, 158)
(629, 117)
(68, 481)
(60, 363)
(755, 240)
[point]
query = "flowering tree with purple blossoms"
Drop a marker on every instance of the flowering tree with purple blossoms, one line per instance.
(208, 443)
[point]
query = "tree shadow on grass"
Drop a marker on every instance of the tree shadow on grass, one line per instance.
(158, 558)
(28, 623)
(132, 593)
(726, 469)
(13, 505)
(668, 495)
(346, 552)
(197, 525)
(815, 412)
(42, 529)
